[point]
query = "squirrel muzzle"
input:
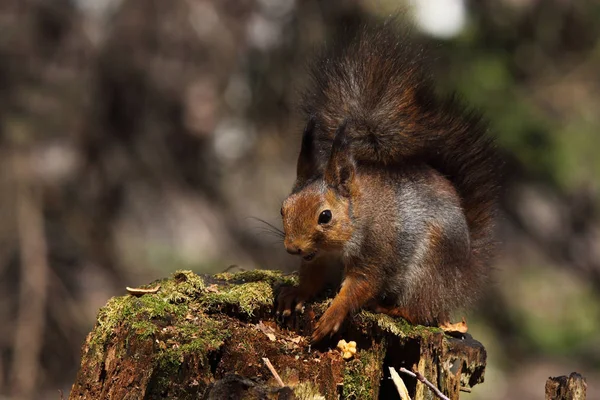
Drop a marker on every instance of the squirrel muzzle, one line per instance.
(297, 249)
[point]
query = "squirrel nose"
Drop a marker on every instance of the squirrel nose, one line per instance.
(293, 249)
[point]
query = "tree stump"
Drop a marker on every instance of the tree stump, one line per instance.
(572, 387)
(205, 337)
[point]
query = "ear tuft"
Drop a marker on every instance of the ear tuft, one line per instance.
(308, 165)
(341, 167)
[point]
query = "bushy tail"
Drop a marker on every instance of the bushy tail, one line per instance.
(375, 82)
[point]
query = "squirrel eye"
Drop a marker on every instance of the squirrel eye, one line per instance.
(281, 211)
(324, 217)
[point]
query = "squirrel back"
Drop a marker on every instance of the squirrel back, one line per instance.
(374, 83)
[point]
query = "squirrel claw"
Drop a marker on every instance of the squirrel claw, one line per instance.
(317, 335)
(289, 300)
(321, 332)
(328, 325)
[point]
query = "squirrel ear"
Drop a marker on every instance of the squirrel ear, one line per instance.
(308, 165)
(341, 166)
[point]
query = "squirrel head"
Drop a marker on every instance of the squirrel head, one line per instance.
(317, 216)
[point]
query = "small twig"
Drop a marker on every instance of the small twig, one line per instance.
(399, 383)
(421, 378)
(62, 395)
(272, 369)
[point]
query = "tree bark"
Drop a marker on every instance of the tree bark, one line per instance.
(206, 337)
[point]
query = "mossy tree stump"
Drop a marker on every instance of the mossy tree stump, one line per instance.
(206, 337)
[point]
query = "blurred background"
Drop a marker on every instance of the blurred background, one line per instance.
(138, 137)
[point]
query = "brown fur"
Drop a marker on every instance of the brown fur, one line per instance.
(301, 213)
(357, 289)
(409, 180)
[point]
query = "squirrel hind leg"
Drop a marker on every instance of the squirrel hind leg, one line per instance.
(395, 311)
(414, 319)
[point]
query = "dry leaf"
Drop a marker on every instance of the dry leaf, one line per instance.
(296, 340)
(460, 327)
(269, 332)
(212, 288)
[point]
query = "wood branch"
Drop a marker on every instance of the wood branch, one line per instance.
(273, 371)
(572, 387)
(424, 380)
(210, 337)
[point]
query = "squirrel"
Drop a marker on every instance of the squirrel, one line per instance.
(396, 187)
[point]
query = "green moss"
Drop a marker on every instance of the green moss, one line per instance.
(140, 312)
(144, 329)
(358, 376)
(187, 343)
(396, 326)
(176, 297)
(191, 339)
(257, 275)
(362, 375)
(307, 391)
(248, 297)
(184, 286)
(135, 311)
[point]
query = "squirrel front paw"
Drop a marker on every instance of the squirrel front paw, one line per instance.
(328, 324)
(290, 298)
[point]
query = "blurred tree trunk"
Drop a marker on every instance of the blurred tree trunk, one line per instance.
(33, 289)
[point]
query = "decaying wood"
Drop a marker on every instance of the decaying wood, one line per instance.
(572, 387)
(206, 337)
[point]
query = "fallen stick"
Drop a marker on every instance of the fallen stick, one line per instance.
(421, 378)
(272, 369)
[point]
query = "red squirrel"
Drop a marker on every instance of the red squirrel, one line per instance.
(396, 188)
